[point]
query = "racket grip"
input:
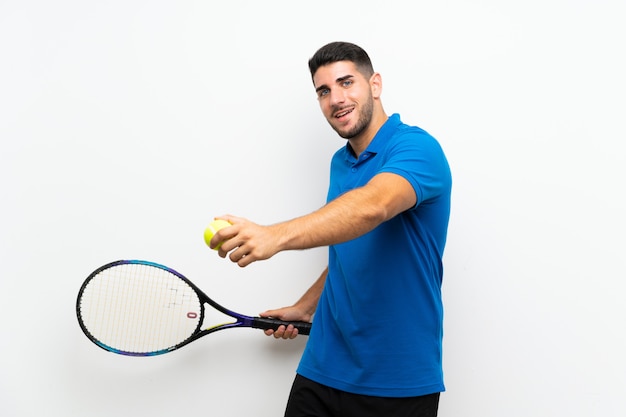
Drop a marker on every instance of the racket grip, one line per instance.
(264, 323)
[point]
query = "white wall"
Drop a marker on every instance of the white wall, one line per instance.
(125, 126)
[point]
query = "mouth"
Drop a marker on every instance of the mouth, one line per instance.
(343, 113)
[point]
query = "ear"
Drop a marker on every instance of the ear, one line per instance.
(376, 84)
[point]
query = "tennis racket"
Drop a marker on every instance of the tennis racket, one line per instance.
(141, 308)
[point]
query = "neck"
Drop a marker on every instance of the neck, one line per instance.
(360, 142)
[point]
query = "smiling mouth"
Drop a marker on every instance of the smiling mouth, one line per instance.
(343, 113)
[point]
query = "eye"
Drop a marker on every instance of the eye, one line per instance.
(323, 92)
(347, 83)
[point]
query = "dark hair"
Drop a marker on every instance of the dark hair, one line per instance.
(341, 51)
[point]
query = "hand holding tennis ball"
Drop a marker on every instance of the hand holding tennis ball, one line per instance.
(212, 229)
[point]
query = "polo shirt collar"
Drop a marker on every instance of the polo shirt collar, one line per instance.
(380, 139)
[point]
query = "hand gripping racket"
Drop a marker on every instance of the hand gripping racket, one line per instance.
(141, 308)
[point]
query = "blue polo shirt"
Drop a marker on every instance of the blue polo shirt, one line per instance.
(378, 326)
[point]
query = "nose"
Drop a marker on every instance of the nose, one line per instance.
(337, 96)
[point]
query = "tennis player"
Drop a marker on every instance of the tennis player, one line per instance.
(375, 347)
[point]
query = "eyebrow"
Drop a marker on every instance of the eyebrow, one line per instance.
(338, 81)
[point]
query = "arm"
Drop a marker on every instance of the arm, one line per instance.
(347, 217)
(302, 310)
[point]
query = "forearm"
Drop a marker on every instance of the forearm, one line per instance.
(350, 215)
(308, 302)
(347, 217)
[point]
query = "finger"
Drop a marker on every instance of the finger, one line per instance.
(271, 313)
(291, 332)
(237, 255)
(280, 332)
(294, 333)
(231, 219)
(287, 333)
(228, 246)
(229, 242)
(245, 259)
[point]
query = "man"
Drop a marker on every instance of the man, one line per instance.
(375, 344)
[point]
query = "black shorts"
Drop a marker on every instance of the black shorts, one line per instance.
(310, 399)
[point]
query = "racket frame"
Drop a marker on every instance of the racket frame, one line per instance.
(241, 320)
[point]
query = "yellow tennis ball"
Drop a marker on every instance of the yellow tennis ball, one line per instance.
(212, 229)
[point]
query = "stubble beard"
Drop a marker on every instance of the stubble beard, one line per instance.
(365, 117)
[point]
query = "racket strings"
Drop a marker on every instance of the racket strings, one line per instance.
(140, 309)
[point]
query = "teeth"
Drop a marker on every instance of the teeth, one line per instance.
(344, 113)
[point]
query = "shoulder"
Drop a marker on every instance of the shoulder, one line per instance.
(407, 137)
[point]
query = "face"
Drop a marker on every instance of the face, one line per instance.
(345, 97)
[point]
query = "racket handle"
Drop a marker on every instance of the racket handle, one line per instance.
(266, 324)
